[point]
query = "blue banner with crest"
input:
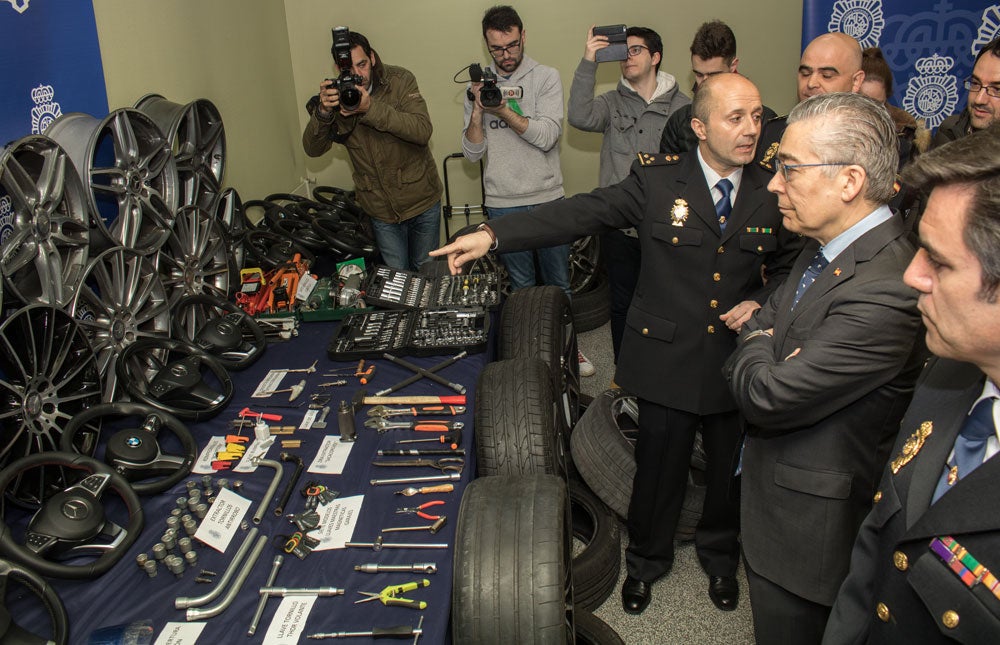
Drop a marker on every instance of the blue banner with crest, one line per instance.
(930, 45)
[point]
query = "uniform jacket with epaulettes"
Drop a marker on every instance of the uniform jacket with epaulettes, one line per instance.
(674, 343)
(898, 590)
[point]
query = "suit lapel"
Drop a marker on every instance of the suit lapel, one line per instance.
(786, 292)
(693, 188)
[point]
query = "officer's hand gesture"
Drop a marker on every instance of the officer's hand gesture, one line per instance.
(465, 249)
(593, 44)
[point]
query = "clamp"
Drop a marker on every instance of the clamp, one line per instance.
(391, 596)
(419, 510)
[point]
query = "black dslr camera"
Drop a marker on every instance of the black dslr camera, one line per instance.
(490, 94)
(347, 84)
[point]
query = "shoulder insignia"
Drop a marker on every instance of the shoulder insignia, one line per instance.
(779, 117)
(772, 150)
(897, 186)
(647, 159)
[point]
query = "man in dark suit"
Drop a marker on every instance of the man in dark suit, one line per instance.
(826, 368)
(937, 508)
(700, 279)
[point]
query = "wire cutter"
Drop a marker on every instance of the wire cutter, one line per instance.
(391, 596)
(445, 464)
(419, 510)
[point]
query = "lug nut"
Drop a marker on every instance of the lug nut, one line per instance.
(182, 502)
(185, 545)
(173, 522)
(150, 568)
(191, 558)
(201, 511)
(190, 527)
(159, 551)
(142, 559)
(169, 540)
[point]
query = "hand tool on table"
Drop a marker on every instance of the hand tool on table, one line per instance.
(365, 374)
(362, 398)
(419, 510)
(392, 596)
(420, 567)
(279, 510)
(293, 391)
(433, 528)
(417, 411)
(284, 592)
(416, 377)
(304, 370)
(423, 425)
(345, 422)
(262, 603)
(455, 452)
(445, 464)
(453, 439)
(378, 545)
(425, 373)
(399, 631)
(260, 416)
(411, 491)
(320, 422)
(416, 480)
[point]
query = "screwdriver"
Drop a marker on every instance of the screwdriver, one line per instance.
(457, 452)
(399, 631)
(453, 438)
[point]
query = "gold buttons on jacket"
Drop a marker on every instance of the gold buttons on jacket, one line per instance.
(711, 329)
(900, 560)
(878, 497)
(950, 619)
(714, 304)
(882, 612)
(674, 240)
(645, 331)
(721, 250)
(716, 276)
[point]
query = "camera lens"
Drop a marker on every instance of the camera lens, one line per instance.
(350, 97)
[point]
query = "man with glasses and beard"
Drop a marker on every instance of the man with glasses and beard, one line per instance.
(983, 108)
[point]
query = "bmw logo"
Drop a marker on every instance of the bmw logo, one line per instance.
(133, 442)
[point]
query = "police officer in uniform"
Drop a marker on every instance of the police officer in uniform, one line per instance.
(707, 225)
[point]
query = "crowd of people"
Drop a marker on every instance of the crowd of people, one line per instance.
(815, 294)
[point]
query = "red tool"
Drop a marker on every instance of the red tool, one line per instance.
(235, 438)
(247, 412)
(365, 375)
(221, 465)
(419, 510)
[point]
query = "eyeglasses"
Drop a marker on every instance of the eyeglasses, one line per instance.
(975, 86)
(783, 168)
(511, 50)
(635, 50)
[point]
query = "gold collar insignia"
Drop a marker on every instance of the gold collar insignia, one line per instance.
(912, 446)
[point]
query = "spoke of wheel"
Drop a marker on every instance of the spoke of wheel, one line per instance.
(126, 143)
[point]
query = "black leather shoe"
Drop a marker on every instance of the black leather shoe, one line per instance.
(635, 595)
(723, 591)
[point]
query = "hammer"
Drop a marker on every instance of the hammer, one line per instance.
(362, 398)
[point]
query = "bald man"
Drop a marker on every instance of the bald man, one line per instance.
(830, 63)
(706, 226)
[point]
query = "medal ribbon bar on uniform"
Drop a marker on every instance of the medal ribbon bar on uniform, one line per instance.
(964, 565)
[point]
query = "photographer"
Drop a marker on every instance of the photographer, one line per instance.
(381, 118)
(632, 117)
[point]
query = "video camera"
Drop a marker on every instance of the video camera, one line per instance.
(491, 95)
(347, 84)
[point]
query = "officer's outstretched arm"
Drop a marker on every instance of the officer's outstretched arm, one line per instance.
(465, 249)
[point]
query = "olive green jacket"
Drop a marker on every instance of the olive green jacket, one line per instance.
(394, 173)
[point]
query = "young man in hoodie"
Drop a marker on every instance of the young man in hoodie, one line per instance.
(520, 141)
(631, 117)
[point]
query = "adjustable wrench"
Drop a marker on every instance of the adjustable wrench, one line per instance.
(382, 425)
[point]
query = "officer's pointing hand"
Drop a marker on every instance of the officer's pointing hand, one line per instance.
(465, 249)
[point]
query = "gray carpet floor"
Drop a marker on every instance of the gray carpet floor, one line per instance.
(680, 611)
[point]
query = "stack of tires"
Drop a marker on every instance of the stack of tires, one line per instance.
(515, 579)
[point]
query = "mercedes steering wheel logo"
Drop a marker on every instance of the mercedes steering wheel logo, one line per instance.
(75, 509)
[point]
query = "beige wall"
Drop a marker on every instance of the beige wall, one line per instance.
(258, 61)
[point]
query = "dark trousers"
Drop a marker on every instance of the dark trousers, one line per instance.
(663, 457)
(782, 618)
(622, 259)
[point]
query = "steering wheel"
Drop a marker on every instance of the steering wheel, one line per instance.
(268, 250)
(177, 385)
(71, 522)
(196, 319)
(135, 453)
(347, 237)
(13, 634)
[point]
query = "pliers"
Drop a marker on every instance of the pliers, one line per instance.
(419, 510)
(391, 595)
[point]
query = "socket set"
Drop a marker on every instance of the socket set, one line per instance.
(423, 332)
(393, 288)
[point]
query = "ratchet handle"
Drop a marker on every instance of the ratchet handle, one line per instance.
(399, 631)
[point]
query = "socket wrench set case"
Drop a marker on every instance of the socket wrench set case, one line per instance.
(429, 316)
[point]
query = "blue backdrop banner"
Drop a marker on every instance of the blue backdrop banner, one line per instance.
(50, 63)
(929, 44)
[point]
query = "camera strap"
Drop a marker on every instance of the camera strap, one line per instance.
(340, 137)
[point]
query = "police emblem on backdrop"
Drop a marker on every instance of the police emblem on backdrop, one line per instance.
(679, 212)
(46, 110)
(989, 28)
(912, 446)
(933, 95)
(861, 19)
(20, 6)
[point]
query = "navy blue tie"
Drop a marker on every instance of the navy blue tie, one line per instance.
(970, 446)
(819, 262)
(724, 206)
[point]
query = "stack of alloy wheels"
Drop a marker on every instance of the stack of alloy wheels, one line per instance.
(516, 578)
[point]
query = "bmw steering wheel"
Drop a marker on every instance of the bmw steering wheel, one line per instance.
(135, 453)
(13, 634)
(72, 522)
